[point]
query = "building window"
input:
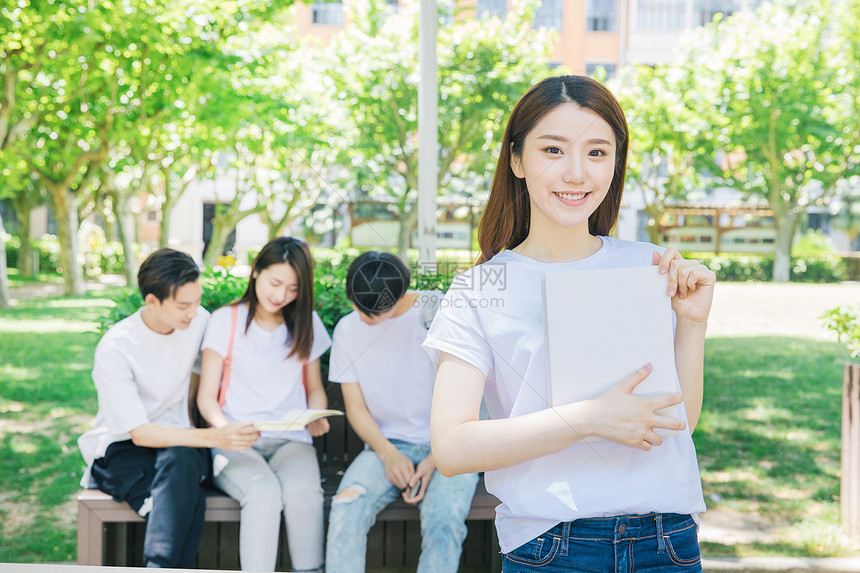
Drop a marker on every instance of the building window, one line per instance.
(707, 9)
(601, 15)
(329, 13)
(592, 67)
(660, 15)
(548, 15)
(152, 217)
(489, 8)
(393, 6)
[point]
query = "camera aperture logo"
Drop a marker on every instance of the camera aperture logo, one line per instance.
(373, 300)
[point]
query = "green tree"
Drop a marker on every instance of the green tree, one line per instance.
(781, 107)
(89, 79)
(665, 137)
(484, 66)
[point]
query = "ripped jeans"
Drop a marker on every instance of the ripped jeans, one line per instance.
(443, 513)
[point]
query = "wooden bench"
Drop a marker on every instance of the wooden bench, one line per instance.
(111, 533)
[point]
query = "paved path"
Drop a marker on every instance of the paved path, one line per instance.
(786, 309)
(42, 290)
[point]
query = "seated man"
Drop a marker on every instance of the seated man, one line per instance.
(143, 449)
(387, 382)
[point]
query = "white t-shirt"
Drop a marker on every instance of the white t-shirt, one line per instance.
(264, 383)
(393, 371)
(141, 377)
(492, 318)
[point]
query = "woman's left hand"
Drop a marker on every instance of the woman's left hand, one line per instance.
(690, 284)
(318, 427)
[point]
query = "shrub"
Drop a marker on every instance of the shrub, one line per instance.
(818, 268)
(845, 322)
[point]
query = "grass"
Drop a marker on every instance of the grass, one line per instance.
(16, 280)
(47, 400)
(768, 440)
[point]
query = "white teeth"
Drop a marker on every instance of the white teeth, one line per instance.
(570, 197)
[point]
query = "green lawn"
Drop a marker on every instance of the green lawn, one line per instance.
(768, 440)
(47, 399)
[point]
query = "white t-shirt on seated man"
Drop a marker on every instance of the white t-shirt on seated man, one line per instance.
(387, 383)
(143, 449)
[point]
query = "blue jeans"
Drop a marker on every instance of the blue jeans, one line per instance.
(656, 543)
(168, 478)
(442, 512)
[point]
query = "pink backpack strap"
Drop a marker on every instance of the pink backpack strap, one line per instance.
(225, 374)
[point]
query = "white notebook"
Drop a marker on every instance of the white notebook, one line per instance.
(601, 326)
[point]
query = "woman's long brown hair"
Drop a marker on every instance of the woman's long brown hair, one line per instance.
(505, 222)
(298, 315)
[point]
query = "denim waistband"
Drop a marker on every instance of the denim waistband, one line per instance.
(622, 527)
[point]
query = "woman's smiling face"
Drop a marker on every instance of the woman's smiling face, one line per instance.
(567, 161)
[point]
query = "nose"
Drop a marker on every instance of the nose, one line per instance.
(574, 171)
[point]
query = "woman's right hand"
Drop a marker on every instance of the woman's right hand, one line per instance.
(621, 417)
(235, 436)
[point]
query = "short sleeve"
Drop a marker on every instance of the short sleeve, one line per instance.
(217, 335)
(322, 341)
(457, 330)
(340, 367)
(118, 393)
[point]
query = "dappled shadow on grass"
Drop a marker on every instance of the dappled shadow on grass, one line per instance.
(48, 369)
(769, 437)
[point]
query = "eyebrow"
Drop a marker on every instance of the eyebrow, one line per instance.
(562, 139)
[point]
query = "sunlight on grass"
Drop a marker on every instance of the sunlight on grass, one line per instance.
(8, 373)
(80, 303)
(23, 445)
(39, 326)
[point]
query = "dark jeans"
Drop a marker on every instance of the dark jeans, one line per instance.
(172, 477)
(657, 543)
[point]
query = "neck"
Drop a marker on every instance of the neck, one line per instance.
(558, 244)
(152, 323)
(264, 317)
(405, 303)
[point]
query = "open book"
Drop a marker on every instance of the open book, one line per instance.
(296, 420)
(601, 326)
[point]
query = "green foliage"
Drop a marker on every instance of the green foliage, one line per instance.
(781, 98)
(47, 248)
(814, 243)
(220, 288)
(484, 67)
(845, 322)
(126, 302)
(667, 149)
(824, 268)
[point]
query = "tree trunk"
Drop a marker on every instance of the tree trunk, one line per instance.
(25, 253)
(5, 295)
(407, 220)
(786, 225)
(220, 232)
(123, 216)
(164, 230)
(66, 213)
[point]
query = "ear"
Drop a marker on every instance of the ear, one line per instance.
(151, 300)
(517, 164)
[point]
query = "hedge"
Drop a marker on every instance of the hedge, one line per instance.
(819, 268)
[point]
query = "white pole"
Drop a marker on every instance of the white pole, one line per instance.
(428, 143)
